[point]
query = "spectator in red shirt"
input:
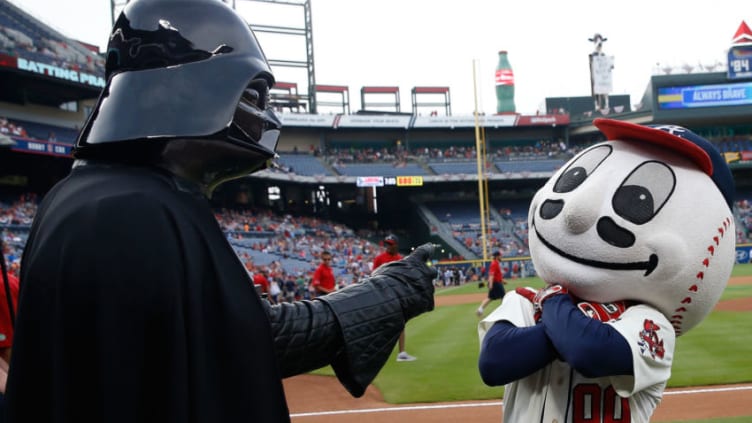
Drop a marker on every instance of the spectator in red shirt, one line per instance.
(6, 327)
(392, 254)
(259, 278)
(323, 281)
(495, 283)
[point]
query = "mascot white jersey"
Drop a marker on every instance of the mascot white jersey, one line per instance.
(635, 240)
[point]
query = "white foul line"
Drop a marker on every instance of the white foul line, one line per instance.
(407, 407)
(492, 403)
(709, 390)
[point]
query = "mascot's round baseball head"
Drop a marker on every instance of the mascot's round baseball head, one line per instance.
(645, 216)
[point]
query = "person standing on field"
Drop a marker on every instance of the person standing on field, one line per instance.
(392, 254)
(323, 281)
(495, 283)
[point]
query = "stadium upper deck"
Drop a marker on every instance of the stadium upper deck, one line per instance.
(48, 82)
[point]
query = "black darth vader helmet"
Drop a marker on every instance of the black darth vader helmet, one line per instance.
(187, 86)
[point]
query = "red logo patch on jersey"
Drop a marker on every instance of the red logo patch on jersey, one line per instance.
(649, 341)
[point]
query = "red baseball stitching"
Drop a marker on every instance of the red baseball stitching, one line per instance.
(676, 319)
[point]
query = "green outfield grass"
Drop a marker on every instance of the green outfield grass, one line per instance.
(742, 270)
(446, 344)
(737, 291)
(472, 287)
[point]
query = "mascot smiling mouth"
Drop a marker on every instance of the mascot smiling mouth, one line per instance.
(648, 265)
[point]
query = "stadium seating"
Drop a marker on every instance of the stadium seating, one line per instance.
(532, 166)
(41, 131)
(454, 168)
(455, 213)
(303, 164)
(381, 169)
(728, 146)
(26, 37)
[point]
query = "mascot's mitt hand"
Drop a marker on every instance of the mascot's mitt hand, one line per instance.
(603, 312)
(538, 297)
(412, 280)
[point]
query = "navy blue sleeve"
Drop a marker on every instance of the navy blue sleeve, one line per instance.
(591, 347)
(509, 353)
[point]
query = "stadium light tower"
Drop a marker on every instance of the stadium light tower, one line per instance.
(116, 6)
(302, 28)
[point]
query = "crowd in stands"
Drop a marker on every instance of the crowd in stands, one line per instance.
(22, 37)
(15, 221)
(341, 157)
(510, 246)
(11, 129)
(273, 236)
(502, 157)
(734, 144)
(743, 208)
(282, 237)
(510, 242)
(302, 238)
(258, 233)
(538, 150)
(398, 154)
(37, 131)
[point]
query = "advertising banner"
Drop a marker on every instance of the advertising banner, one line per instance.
(743, 252)
(369, 181)
(464, 121)
(307, 120)
(65, 74)
(24, 145)
(373, 121)
(717, 95)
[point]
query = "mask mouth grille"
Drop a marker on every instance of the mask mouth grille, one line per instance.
(253, 123)
(256, 94)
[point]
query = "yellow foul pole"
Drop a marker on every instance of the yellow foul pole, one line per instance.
(480, 158)
(487, 209)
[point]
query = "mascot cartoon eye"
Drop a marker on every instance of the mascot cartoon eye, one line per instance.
(644, 192)
(581, 168)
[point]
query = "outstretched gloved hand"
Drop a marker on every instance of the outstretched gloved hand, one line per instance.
(412, 280)
(372, 313)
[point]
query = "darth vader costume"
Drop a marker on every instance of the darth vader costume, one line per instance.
(133, 306)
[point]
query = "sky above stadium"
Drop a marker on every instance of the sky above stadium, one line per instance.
(409, 43)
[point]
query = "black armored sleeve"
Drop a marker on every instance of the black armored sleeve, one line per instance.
(354, 329)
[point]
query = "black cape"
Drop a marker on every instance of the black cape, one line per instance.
(134, 308)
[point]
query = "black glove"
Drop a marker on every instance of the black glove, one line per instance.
(412, 280)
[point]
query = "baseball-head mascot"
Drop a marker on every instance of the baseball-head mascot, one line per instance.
(635, 240)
